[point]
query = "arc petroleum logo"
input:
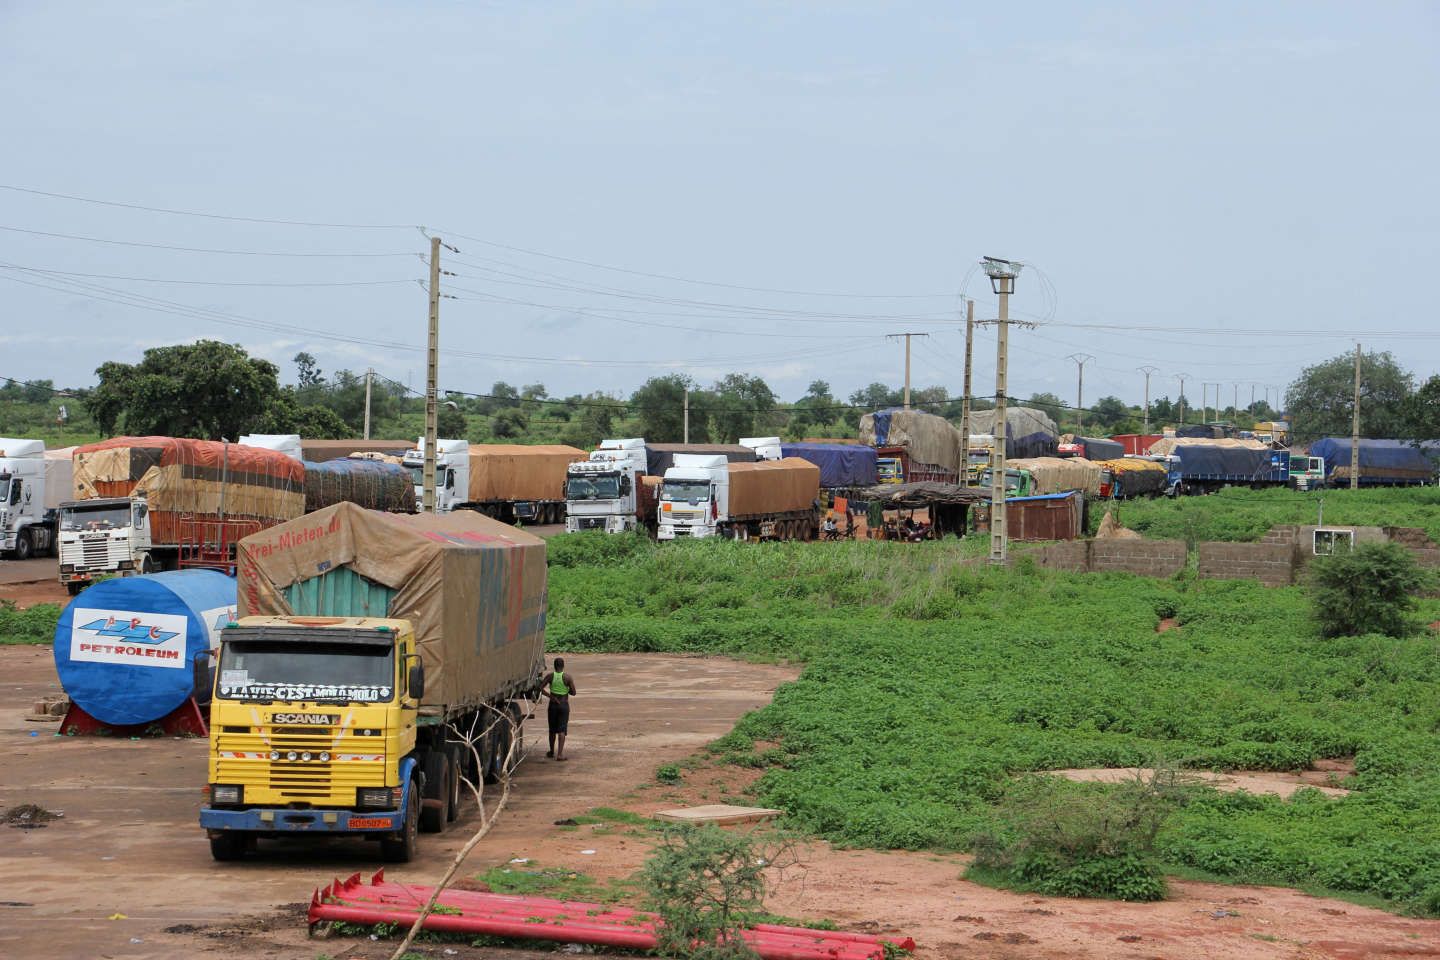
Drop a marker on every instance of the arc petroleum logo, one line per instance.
(133, 630)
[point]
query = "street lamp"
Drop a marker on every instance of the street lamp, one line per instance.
(1002, 274)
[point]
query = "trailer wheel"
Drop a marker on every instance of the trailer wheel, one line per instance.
(24, 546)
(500, 749)
(228, 846)
(402, 849)
(147, 565)
(435, 808)
(453, 813)
(73, 588)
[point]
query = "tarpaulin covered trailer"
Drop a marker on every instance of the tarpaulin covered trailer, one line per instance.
(841, 465)
(1028, 432)
(1382, 462)
(660, 457)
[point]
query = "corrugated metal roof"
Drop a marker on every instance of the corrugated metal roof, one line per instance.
(1046, 496)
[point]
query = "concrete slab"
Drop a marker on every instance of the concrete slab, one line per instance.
(722, 813)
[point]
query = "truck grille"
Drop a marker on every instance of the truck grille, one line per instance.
(95, 552)
(590, 523)
(300, 780)
(245, 758)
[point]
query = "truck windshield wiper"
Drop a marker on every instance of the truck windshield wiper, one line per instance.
(254, 700)
(335, 701)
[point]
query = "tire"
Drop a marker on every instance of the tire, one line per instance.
(73, 588)
(228, 846)
(500, 748)
(436, 766)
(147, 565)
(452, 812)
(402, 849)
(24, 546)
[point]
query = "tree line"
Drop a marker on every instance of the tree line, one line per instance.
(215, 390)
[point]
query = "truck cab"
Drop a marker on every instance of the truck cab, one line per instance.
(979, 456)
(104, 536)
(26, 527)
(1307, 473)
(607, 492)
(313, 729)
(452, 473)
(694, 497)
(766, 448)
(1018, 483)
(889, 470)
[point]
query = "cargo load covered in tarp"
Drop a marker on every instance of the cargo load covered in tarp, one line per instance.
(1200, 431)
(773, 486)
(1136, 444)
(660, 457)
(1028, 432)
(372, 484)
(59, 476)
(286, 443)
(515, 471)
(1098, 448)
(1225, 460)
(474, 589)
(926, 438)
(1060, 474)
(1132, 477)
(318, 450)
(841, 465)
(1381, 461)
(1168, 445)
(192, 481)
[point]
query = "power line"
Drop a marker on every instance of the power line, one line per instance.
(217, 283)
(207, 216)
(166, 246)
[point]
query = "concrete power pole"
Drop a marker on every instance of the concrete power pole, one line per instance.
(965, 398)
(907, 336)
(1148, 371)
(1080, 360)
(432, 377)
(1235, 401)
(687, 414)
(1002, 274)
(369, 378)
(1181, 377)
(1355, 428)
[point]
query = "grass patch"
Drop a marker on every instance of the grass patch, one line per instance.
(555, 882)
(33, 625)
(932, 683)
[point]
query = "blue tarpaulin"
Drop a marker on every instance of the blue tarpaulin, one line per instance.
(1200, 461)
(841, 464)
(1098, 448)
(1380, 460)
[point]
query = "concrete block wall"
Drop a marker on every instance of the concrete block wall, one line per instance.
(1149, 558)
(1273, 564)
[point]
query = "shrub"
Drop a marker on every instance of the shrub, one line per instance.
(1367, 590)
(668, 773)
(35, 625)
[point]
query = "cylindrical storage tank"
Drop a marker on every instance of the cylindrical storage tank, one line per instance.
(125, 649)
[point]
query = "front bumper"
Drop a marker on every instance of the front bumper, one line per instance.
(285, 820)
(674, 531)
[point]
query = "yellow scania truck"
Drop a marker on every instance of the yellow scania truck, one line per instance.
(368, 645)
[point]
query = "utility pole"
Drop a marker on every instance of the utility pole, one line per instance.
(1002, 274)
(1355, 428)
(369, 377)
(965, 399)
(1252, 399)
(1148, 371)
(1181, 377)
(432, 377)
(687, 414)
(907, 336)
(1080, 360)
(1234, 401)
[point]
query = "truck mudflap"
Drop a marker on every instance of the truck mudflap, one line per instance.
(315, 820)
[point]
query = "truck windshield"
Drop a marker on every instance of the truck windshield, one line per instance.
(417, 476)
(597, 487)
(95, 518)
(287, 670)
(692, 491)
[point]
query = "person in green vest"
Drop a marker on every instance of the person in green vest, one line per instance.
(558, 686)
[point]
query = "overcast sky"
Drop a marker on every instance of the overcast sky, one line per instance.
(1188, 173)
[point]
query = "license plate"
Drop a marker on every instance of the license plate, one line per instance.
(367, 823)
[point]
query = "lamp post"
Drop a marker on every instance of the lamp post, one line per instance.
(1002, 274)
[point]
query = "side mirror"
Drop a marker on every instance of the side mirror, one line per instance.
(415, 680)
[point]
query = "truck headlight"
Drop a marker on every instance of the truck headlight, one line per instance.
(374, 798)
(226, 794)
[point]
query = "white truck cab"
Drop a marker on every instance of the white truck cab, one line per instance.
(26, 526)
(766, 448)
(604, 492)
(107, 535)
(694, 497)
(452, 473)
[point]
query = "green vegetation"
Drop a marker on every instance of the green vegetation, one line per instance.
(555, 882)
(932, 682)
(1242, 514)
(33, 625)
(1368, 590)
(668, 773)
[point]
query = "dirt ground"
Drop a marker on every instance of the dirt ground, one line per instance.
(128, 845)
(28, 582)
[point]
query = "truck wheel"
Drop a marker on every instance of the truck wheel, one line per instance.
(453, 813)
(147, 565)
(24, 546)
(74, 588)
(500, 748)
(434, 811)
(402, 849)
(228, 846)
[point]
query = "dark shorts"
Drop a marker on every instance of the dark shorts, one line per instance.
(559, 716)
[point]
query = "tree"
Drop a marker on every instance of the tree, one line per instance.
(289, 414)
(877, 396)
(307, 373)
(742, 407)
(450, 423)
(660, 406)
(593, 421)
(1370, 589)
(207, 389)
(1162, 411)
(816, 407)
(1052, 405)
(1106, 411)
(1422, 411)
(1320, 401)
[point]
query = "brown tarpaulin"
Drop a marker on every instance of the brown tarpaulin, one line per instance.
(1059, 474)
(773, 486)
(514, 471)
(474, 588)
